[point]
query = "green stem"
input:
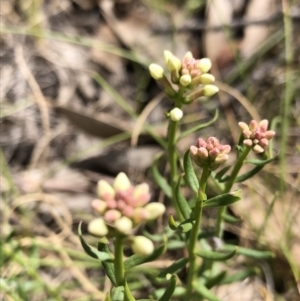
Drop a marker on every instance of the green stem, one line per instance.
(221, 210)
(172, 156)
(119, 264)
(195, 232)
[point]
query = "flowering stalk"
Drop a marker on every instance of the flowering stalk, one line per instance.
(195, 232)
(118, 262)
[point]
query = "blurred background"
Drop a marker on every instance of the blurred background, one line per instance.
(78, 105)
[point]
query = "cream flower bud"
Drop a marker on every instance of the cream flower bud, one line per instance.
(167, 55)
(105, 191)
(142, 245)
(97, 227)
(112, 215)
(258, 149)
(210, 90)
(185, 80)
(124, 225)
(99, 205)
(206, 79)
(174, 64)
(155, 210)
(121, 182)
(176, 114)
(188, 55)
(141, 194)
(204, 65)
(156, 71)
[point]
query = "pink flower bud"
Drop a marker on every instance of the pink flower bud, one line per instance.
(105, 191)
(269, 134)
(99, 206)
(248, 142)
(141, 194)
(112, 215)
(111, 204)
(128, 211)
(243, 126)
(263, 124)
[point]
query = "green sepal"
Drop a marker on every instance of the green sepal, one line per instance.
(239, 276)
(172, 223)
(215, 280)
(136, 259)
(224, 199)
(205, 292)
(174, 267)
(160, 180)
(199, 126)
(170, 289)
(190, 175)
(91, 251)
(216, 256)
(117, 293)
(221, 173)
(181, 201)
(128, 294)
(249, 252)
(108, 266)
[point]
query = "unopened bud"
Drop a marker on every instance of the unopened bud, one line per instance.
(210, 90)
(105, 191)
(142, 245)
(167, 55)
(185, 80)
(155, 210)
(188, 55)
(174, 64)
(112, 215)
(176, 114)
(123, 225)
(99, 206)
(206, 79)
(258, 149)
(141, 194)
(156, 71)
(204, 65)
(121, 182)
(97, 227)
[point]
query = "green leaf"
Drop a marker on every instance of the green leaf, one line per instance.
(190, 175)
(206, 234)
(223, 199)
(108, 266)
(117, 293)
(186, 225)
(215, 280)
(91, 251)
(216, 256)
(239, 276)
(249, 174)
(261, 162)
(231, 219)
(181, 201)
(128, 294)
(170, 289)
(175, 244)
(249, 252)
(160, 180)
(136, 259)
(199, 126)
(172, 223)
(174, 267)
(205, 292)
(220, 174)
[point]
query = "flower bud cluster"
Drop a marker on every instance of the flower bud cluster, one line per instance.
(122, 206)
(210, 153)
(256, 135)
(188, 74)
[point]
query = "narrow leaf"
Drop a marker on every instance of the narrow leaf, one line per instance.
(240, 276)
(108, 266)
(136, 259)
(249, 174)
(175, 244)
(172, 223)
(174, 267)
(128, 294)
(170, 289)
(216, 256)
(261, 162)
(117, 293)
(199, 126)
(181, 201)
(249, 252)
(215, 280)
(223, 199)
(220, 174)
(186, 225)
(91, 251)
(190, 175)
(231, 219)
(160, 180)
(205, 292)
